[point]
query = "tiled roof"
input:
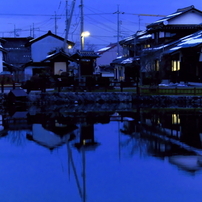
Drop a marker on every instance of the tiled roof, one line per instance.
(57, 54)
(189, 41)
(85, 54)
(140, 36)
(119, 60)
(173, 15)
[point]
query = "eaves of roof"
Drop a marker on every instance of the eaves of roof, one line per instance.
(36, 64)
(3, 50)
(127, 40)
(49, 33)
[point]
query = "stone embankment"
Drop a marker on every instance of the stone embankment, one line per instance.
(114, 97)
(79, 97)
(48, 98)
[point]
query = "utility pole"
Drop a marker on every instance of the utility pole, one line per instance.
(82, 24)
(15, 31)
(118, 29)
(56, 18)
(70, 17)
(66, 27)
(32, 29)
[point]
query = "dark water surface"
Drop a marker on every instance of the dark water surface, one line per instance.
(141, 156)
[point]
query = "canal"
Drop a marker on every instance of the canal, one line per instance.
(69, 155)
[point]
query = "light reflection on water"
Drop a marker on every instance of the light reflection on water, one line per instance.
(120, 168)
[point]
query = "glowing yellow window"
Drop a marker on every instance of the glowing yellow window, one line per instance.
(175, 65)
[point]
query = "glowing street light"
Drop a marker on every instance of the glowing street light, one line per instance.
(83, 35)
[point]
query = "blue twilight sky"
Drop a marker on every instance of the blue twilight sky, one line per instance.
(100, 17)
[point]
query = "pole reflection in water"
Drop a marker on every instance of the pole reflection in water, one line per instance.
(137, 155)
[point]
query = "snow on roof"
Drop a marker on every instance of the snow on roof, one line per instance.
(188, 41)
(129, 38)
(110, 46)
(168, 17)
(174, 14)
(127, 61)
(191, 41)
(104, 49)
(48, 56)
(145, 36)
(141, 33)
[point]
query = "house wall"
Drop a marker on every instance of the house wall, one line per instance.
(119, 73)
(40, 48)
(107, 57)
(28, 71)
(187, 18)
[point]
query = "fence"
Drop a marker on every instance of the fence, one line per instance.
(108, 87)
(5, 86)
(75, 86)
(171, 90)
(105, 86)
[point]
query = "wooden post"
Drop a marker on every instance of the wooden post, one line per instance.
(2, 86)
(121, 86)
(13, 85)
(105, 86)
(175, 90)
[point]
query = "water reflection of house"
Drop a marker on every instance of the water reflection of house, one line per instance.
(191, 163)
(16, 120)
(47, 138)
(86, 138)
(178, 125)
(173, 135)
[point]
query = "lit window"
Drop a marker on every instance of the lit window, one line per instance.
(147, 46)
(157, 65)
(175, 65)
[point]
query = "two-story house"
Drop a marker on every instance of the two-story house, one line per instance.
(157, 60)
(47, 55)
(160, 51)
(127, 66)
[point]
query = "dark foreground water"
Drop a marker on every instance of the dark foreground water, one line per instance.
(123, 159)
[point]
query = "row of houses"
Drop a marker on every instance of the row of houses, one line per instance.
(169, 49)
(47, 54)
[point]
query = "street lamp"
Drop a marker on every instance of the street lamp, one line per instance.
(83, 35)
